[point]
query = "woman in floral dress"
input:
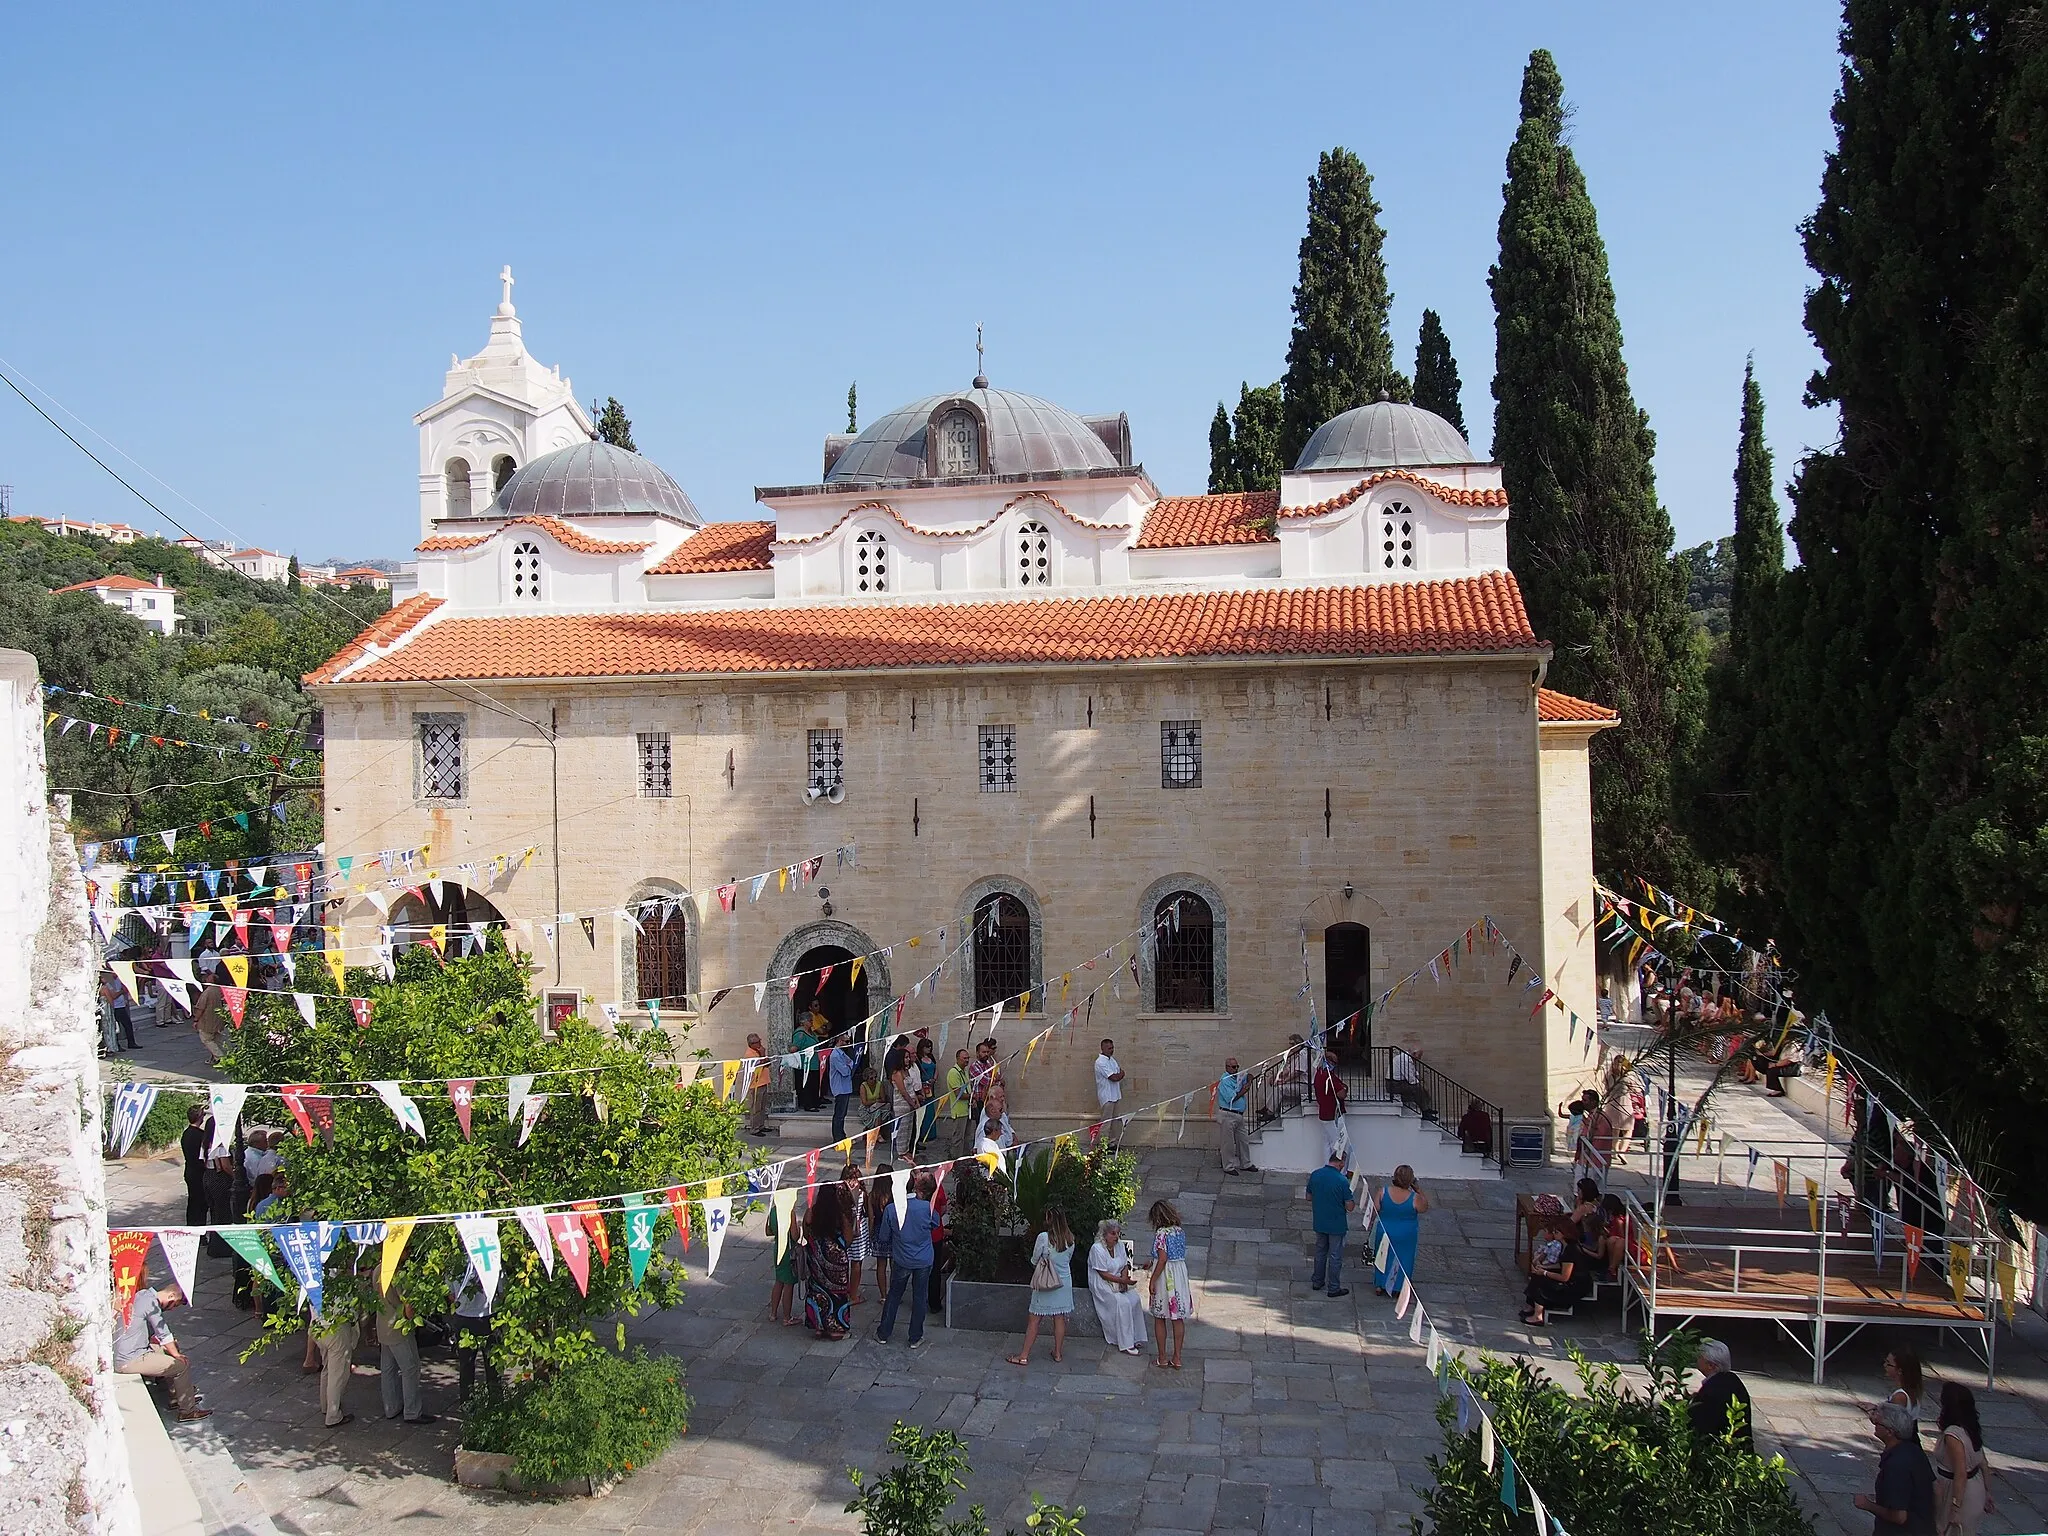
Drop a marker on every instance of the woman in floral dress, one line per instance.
(860, 1243)
(1173, 1293)
(826, 1301)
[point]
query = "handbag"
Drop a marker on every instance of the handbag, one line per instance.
(1044, 1276)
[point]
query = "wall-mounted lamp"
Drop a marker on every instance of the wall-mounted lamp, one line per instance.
(1348, 892)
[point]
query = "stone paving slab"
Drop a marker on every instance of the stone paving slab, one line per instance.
(1294, 1414)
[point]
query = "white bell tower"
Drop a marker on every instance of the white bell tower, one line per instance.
(498, 410)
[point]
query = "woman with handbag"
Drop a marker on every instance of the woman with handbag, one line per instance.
(1052, 1284)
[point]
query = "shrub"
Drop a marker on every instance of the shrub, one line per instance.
(912, 1497)
(1090, 1187)
(1608, 1461)
(979, 1216)
(599, 1417)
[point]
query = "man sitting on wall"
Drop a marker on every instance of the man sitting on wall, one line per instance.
(1404, 1079)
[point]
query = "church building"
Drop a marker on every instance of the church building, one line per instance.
(1298, 738)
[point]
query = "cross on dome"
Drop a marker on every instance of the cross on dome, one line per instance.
(505, 277)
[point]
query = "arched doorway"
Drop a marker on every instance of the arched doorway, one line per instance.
(1347, 983)
(415, 914)
(842, 997)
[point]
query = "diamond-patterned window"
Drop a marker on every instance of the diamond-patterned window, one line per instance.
(1034, 555)
(999, 759)
(440, 756)
(656, 781)
(827, 761)
(871, 562)
(526, 573)
(1397, 538)
(1180, 754)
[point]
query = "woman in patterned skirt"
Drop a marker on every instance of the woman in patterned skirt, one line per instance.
(860, 1233)
(826, 1300)
(1173, 1293)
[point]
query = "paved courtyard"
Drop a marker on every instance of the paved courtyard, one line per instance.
(1294, 1413)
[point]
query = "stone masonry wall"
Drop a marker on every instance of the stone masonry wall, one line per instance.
(63, 1461)
(1430, 769)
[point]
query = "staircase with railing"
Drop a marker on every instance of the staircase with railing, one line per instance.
(1421, 1117)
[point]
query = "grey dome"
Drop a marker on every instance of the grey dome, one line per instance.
(1026, 436)
(592, 479)
(1382, 435)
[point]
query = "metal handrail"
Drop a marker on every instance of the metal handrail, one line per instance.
(1281, 1086)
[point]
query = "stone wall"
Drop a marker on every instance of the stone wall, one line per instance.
(1428, 770)
(63, 1461)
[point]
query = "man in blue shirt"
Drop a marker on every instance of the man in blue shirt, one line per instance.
(839, 1076)
(1329, 1194)
(1233, 1139)
(909, 1245)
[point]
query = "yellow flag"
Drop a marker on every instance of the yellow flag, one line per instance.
(1066, 985)
(853, 971)
(334, 964)
(396, 1230)
(844, 1148)
(1959, 1271)
(2008, 1280)
(1827, 1088)
(438, 937)
(1030, 1046)
(784, 1201)
(782, 878)
(993, 1161)
(731, 1069)
(1024, 1002)
(238, 968)
(1812, 1205)
(1702, 1145)
(228, 901)
(713, 1188)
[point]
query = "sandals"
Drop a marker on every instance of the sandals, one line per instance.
(1019, 1359)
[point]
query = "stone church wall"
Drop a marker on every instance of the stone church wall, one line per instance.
(63, 1461)
(1429, 771)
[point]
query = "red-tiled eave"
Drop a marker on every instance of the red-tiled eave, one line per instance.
(1453, 495)
(1554, 707)
(1477, 614)
(720, 547)
(383, 632)
(1189, 522)
(113, 583)
(566, 535)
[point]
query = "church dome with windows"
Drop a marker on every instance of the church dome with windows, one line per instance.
(978, 431)
(1383, 435)
(594, 479)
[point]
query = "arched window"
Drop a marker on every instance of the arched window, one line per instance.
(1034, 555)
(1002, 949)
(871, 562)
(959, 444)
(526, 572)
(661, 959)
(1184, 968)
(1397, 538)
(502, 470)
(455, 495)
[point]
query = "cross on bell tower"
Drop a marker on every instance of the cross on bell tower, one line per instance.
(505, 277)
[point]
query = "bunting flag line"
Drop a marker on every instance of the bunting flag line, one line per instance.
(478, 1236)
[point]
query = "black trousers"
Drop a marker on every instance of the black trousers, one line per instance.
(195, 1198)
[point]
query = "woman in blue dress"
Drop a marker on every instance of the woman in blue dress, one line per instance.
(1054, 1248)
(1400, 1222)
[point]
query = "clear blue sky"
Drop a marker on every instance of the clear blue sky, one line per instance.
(242, 241)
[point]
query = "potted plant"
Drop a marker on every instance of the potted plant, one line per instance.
(995, 1219)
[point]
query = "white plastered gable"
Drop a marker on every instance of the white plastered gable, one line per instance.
(1396, 531)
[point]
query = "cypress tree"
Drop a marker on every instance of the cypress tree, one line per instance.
(614, 427)
(1907, 276)
(1256, 459)
(853, 407)
(1587, 539)
(1339, 354)
(1759, 534)
(1222, 475)
(1436, 373)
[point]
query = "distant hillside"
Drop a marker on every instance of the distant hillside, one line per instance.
(239, 653)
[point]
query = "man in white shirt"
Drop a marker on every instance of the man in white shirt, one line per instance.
(1109, 1080)
(258, 1158)
(1404, 1080)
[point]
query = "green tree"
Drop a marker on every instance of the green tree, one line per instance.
(291, 576)
(1758, 555)
(1222, 473)
(614, 426)
(1256, 458)
(853, 407)
(1339, 354)
(1588, 541)
(619, 1124)
(1436, 373)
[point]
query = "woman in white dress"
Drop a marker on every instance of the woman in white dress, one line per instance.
(1113, 1284)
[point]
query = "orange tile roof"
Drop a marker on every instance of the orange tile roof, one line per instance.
(1553, 706)
(1471, 614)
(1492, 497)
(564, 534)
(720, 547)
(1187, 522)
(387, 628)
(116, 583)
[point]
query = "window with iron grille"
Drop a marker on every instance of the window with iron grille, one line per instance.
(827, 761)
(662, 958)
(1184, 959)
(1397, 538)
(1002, 949)
(439, 740)
(1180, 754)
(999, 759)
(871, 562)
(526, 573)
(656, 782)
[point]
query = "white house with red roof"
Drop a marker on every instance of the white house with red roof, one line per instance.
(150, 601)
(1286, 747)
